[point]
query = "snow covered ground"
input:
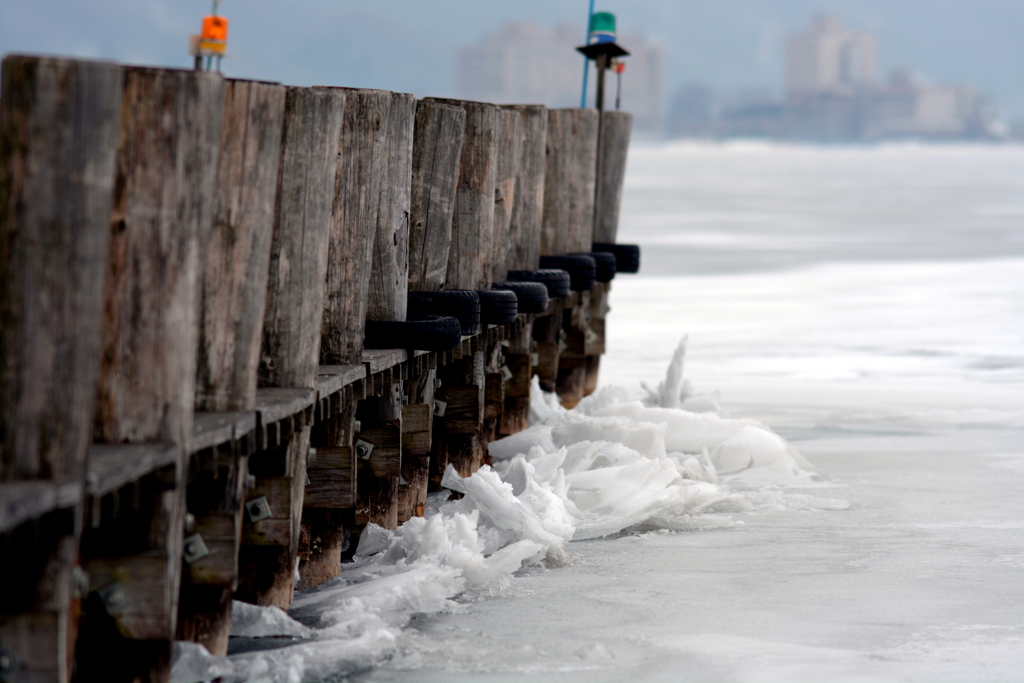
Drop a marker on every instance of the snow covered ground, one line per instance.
(865, 304)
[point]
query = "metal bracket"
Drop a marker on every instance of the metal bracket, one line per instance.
(505, 372)
(9, 664)
(257, 509)
(363, 449)
(440, 407)
(114, 597)
(194, 549)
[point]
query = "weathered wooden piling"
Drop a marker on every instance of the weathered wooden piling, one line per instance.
(307, 193)
(187, 266)
(528, 210)
(473, 218)
(510, 154)
(362, 156)
(437, 148)
(162, 213)
(234, 289)
(58, 138)
(611, 171)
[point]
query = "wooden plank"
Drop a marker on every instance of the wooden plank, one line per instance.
(611, 171)
(387, 298)
(333, 489)
(235, 261)
(142, 579)
(58, 133)
(276, 403)
(473, 218)
(24, 501)
(290, 353)
(437, 147)
(112, 466)
(557, 179)
(582, 178)
(213, 429)
(361, 165)
(332, 378)
(528, 210)
(379, 360)
(510, 152)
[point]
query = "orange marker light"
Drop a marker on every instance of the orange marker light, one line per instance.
(214, 37)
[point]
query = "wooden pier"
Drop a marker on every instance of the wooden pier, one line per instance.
(188, 265)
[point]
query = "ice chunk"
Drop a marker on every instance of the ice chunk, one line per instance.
(193, 663)
(685, 432)
(254, 621)
(642, 436)
(521, 443)
(373, 540)
(544, 407)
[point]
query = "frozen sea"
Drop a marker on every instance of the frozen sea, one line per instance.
(867, 304)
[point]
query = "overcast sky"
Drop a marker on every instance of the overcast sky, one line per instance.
(409, 45)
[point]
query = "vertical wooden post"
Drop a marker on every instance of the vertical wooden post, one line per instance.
(361, 155)
(473, 219)
(510, 153)
(615, 130)
(235, 261)
(417, 434)
(291, 329)
(58, 140)
(437, 147)
(557, 179)
(389, 272)
(528, 210)
(580, 220)
(162, 213)
(234, 288)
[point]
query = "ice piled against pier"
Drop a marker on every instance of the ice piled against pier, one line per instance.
(613, 464)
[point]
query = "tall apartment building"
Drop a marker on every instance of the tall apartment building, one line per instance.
(830, 58)
(531, 63)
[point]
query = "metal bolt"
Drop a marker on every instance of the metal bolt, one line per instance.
(250, 481)
(258, 509)
(8, 662)
(190, 522)
(311, 456)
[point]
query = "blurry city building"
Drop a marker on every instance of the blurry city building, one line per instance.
(530, 63)
(833, 95)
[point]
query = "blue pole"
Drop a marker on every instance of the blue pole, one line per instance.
(586, 61)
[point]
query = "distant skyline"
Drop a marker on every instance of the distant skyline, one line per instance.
(410, 45)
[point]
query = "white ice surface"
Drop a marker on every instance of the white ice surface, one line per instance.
(901, 379)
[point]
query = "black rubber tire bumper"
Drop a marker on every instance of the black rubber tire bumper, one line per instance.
(582, 269)
(532, 297)
(498, 307)
(462, 304)
(627, 256)
(557, 281)
(420, 332)
(605, 262)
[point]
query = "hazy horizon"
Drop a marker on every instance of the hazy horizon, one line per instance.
(410, 46)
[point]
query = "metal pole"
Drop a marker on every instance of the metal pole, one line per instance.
(586, 60)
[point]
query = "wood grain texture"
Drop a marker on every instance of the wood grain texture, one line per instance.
(58, 138)
(361, 164)
(510, 154)
(235, 261)
(614, 146)
(528, 209)
(437, 148)
(473, 219)
(389, 270)
(580, 226)
(558, 151)
(163, 210)
(290, 352)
